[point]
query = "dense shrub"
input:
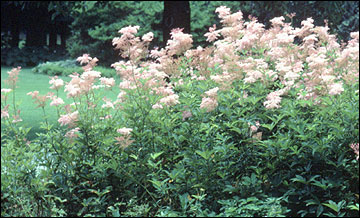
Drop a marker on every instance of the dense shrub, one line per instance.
(67, 67)
(252, 125)
(30, 56)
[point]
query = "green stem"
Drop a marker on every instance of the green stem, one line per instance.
(136, 181)
(47, 124)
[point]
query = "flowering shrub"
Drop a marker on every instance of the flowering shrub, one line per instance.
(256, 121)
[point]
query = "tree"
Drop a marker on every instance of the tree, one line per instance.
(36, 19)
(176, 15)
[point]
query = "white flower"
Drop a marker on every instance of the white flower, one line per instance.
(124, 131)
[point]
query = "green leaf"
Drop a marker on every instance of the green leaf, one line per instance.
(204, 154)
(299, 179)
(319, 210)
(156, 183)
(354, 207)
(269, 126)
(156, 155)
(184, 200)
(334, 206)
(134, 156)
(311, 202)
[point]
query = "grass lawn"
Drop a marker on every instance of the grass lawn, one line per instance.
(28, 82)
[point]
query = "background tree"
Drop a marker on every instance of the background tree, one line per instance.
(176, 15)
(97, 23)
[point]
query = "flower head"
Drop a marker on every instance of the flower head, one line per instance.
(148, 37)
(355, 147)
(170, 100)
(212, 35)
(56, 83)
(72, 133)
(209, 104)
(273, 100)
(84, 59)
(124, 140)
(124, 131)
(130, 30)
(68, 119)
(6, 90)
(277, 21)
(212, 92)
(186, 114)
(5, 112)
(179, 42)
(108, 82)
(56, 101)
(13, 77)
(223, 11)
(336, 89)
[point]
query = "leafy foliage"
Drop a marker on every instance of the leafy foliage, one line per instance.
(30, 56)
(67, 67)
(96, 24)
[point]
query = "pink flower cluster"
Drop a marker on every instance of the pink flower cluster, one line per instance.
(56, 101)
(273, 99)
(179, 42)
(13, 77)
(242, 51)
(56, 83)
(73, 133)
(11, 81)
(40, 100)
(89, 61)
(131, 46)
(170, 100)
(149, 77)
(254, 128)
(124, 140)
(355, 147)
(210, 102)
(167, 58)
(5, 112)
(69, 119)
(312, 59)
(83, 84)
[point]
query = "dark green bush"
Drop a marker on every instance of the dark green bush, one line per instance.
(30, 56)
(67, 67)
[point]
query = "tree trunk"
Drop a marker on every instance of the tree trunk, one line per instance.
(35, 36)
(15, 35)
(52, 37)
(176, 15)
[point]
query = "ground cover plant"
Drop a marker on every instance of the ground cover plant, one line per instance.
(265, 122)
